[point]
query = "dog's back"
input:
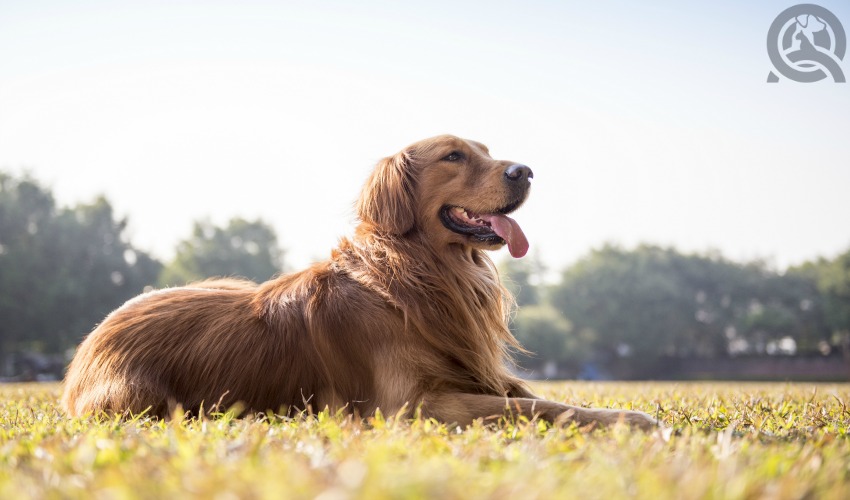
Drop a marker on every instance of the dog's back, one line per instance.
(293, 343)
(197, 346)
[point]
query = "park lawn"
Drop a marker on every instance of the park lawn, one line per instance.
(731, 440)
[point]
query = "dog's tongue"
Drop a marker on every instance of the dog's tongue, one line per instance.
(508, 230)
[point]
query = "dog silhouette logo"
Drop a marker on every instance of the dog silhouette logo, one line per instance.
(806, 43)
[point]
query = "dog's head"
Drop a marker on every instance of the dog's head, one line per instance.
(450, 190)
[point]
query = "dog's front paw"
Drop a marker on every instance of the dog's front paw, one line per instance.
(634, 419)
(639, 420)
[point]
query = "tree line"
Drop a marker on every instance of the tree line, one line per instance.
(635, 308)
(63, 269)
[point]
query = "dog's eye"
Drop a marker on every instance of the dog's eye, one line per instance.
(453, 156)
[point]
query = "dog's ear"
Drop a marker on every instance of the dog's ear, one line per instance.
(387, 199)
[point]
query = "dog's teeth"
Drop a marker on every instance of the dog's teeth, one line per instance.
(462, 212)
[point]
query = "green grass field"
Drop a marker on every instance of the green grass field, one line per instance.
(732, 440)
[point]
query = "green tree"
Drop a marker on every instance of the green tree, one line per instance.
(652, 302)
(550, 338)
(100, 270)
(831, 278)
(523, 278)
(628, 299)
(61, 269)
(779, 306)
(246, 249)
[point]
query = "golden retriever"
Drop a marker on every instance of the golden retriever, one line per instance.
(406, 315)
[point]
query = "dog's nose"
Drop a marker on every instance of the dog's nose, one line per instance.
(518, 172)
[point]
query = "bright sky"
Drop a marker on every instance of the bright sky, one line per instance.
(643, 121)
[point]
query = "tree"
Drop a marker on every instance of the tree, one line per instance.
(629, 300)
(27, 212)
(522, 277)
(246, 249)
(61, 269)
(653, 302)
(831, 278)
(101, 269)
(550, 338)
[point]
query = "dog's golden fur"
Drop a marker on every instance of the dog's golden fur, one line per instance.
(405, 314)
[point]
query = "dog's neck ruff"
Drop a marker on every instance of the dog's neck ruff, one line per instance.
(452, 300)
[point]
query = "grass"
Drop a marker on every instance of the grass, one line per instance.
(730, 441)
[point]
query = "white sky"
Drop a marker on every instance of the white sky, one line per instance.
(643, 122)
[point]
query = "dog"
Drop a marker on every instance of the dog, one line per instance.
(407, 316)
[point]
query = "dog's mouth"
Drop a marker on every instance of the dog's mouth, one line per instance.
(490, 228)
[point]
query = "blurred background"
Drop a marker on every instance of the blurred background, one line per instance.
(688, 219)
